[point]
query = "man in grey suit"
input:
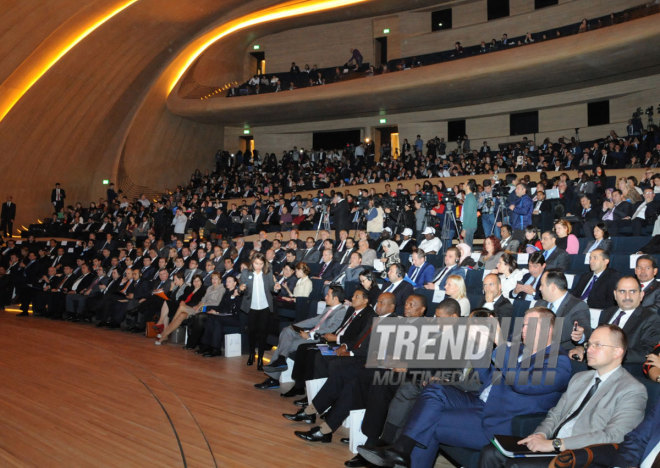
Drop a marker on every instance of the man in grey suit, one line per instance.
(192, 271)
(599, 406)
(554, 289)
(309, 254)
(554, 256)
(306, 331)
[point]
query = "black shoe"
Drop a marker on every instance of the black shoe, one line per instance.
(22, 314)
(212, 353)
(345, 440)
(267, 384)
(203, 349)
(260, 365)
(295, 391)
(383, 456)
(301, 416)
(103, 324)
(357, 460)
(303, 403)
(278, 365)
(250, 360)
(314, 435)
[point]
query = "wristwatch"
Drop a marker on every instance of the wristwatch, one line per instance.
(556, 444)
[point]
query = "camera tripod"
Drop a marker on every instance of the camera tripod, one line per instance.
(448, 221)
(324, 221)
(499, 214)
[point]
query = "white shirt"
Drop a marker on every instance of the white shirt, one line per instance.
(392, 286)
(259, 300)
(433, 245)
(624, 318)
(491, 305)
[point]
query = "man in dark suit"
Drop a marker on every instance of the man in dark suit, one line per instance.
(329, 267)
(27, 288)
(493, 298)
(554, 256)
(596, 286)
(554, 289)
(344, 256)
(339, 393)
(616, 211)
(452, 260)
(407, 242)
(55, 299)
(641, 326)
(57, 196)
(646, 269)
(529, 287)
(82, 282)
(448, 415)
(341, 215)
(310, 364)
(8, 215)
(400, 288)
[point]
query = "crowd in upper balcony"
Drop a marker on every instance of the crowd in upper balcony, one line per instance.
(355, 67)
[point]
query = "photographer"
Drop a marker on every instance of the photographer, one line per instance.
(488, 205)
(520, 209)
(375, 218)
(341, 215)
(420, 214)
(469, 212)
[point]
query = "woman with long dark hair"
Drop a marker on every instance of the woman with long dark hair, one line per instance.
(257, 285)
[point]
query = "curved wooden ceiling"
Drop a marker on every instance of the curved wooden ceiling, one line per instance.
(102, 111)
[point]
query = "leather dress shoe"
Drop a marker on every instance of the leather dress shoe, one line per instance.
(260, 364)
(314, 435)
(294, 391)
(267, 384)
(250, 360)
(383, 456)
(301, 416)
(303, 403)
(357, 460)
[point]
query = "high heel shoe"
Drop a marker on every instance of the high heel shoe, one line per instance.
(260, 363)
(250, 360)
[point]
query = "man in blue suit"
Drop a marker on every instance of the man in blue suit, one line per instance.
(446, 415)
(421, 272)
(641, 446)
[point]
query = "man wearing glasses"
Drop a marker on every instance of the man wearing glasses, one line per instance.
(599, 406)
(641, 326)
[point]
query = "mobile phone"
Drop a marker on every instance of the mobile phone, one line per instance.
(575, 326)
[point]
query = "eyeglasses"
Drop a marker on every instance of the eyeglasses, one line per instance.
(598, 346)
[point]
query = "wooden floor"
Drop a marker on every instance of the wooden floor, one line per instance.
(76, 395)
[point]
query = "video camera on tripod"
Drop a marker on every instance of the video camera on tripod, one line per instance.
(395, 200)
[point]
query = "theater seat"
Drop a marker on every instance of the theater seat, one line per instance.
(520, 426)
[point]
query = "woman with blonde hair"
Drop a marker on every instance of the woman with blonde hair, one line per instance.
(566, 240)
(456, 289)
